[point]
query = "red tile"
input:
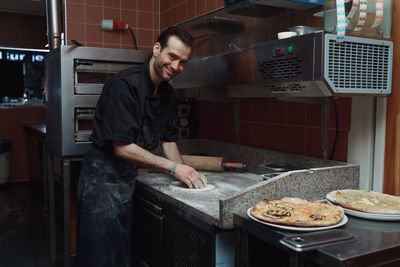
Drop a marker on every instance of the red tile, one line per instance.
(163, 20)
(145, 38)
(314, 115)
(220, 3)
(76, 31)
(210, 5)
(260, 109)
(261, 133)
(145, 5)
(229, 132)
(145, 20)
(94, 14)
(115, 46)
(343, 106)
(156, 18)
(156, 4)
(276, 111)
(314, 142)
(191, 9)
(246, 109)
(174, 16)
(112, 13)
(73, 248)
(130, 17)
(112, 3)
(75, 13)
(181, 12)
(200, 7)
(246, 133)
(128, 47)
(219, 111)
(76, 1)
(229, 111)
(296, 140)
(340, 153)
(93, 2)
(94, 34)
(129, 4)
(94, 44)
(127, 39)
(277, 137)
(112, 38)
(296, 113)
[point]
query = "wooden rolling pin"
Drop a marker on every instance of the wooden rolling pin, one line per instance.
(214, 164)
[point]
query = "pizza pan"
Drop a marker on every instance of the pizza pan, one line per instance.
(370, 216)
(298, 228)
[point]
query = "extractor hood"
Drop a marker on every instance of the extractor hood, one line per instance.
(311, 65)
(267, 8)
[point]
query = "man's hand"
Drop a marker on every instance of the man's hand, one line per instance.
(190, 176)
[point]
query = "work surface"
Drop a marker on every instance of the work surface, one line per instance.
(236, 192)
(206, 204)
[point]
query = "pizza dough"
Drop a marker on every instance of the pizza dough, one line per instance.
(297, 212)
(182, 186)
(366, 201)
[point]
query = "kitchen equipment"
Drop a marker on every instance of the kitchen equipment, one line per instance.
(206, 163)
(314, 240)
(284, 35)
(301, 30)
(265, 8)
(74, 80)
(310, 65)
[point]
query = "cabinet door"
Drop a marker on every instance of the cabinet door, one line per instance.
(147, 233)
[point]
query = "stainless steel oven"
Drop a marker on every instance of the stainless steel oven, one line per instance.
(74, 80)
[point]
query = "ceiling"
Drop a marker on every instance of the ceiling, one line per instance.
(31, 7)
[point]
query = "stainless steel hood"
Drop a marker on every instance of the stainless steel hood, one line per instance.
(267, 8)
(311, 65)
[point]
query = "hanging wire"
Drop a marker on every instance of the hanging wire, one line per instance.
(133, 36)
(337, 129)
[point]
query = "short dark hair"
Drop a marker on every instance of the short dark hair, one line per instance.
(179, 32)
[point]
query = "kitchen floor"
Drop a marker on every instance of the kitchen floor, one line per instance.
(24, 227)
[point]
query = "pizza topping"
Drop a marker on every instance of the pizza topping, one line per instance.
(277, 213)
(297, 212)
(283, 206)
(366, 201)
(317, 217)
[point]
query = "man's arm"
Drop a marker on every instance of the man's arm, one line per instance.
(137, 155)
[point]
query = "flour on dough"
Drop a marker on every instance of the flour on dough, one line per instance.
(181, 186)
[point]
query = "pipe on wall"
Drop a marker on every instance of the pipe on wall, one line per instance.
(53, 23)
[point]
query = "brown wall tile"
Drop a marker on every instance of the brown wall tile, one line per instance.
(75, 13)
(94, 14)
(145, 20)
(129, 4)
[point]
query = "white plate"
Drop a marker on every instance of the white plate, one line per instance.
(298, 228)
(372, 216)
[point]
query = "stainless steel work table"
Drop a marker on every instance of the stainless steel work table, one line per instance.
(375, 243)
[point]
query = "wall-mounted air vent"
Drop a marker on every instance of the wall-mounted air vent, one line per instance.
(278, 69)
(283, 88)
(358, 65)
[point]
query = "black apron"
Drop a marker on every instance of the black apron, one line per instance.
(105, 192)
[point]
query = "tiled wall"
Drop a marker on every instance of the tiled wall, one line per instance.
(84, 17)
(278, 125)
(27, 31)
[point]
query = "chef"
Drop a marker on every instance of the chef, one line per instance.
(135, 114)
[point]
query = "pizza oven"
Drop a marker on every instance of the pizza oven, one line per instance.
(74, 80)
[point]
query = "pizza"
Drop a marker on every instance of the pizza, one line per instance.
(366, 201)
(297, 212)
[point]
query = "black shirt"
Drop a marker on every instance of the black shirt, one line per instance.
(128, 111)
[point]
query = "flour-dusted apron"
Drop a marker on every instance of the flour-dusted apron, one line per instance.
(105, 191)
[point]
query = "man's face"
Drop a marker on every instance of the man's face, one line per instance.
(171, 60)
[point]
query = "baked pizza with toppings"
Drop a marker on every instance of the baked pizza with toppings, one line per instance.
(297, 212)
(365, 201)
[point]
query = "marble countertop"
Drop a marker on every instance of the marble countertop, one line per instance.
(236, 192)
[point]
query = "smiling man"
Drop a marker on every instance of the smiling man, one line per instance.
(135, 114)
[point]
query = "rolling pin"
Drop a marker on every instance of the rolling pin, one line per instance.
(214, 164)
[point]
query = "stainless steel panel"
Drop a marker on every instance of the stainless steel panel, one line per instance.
(66, 93)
